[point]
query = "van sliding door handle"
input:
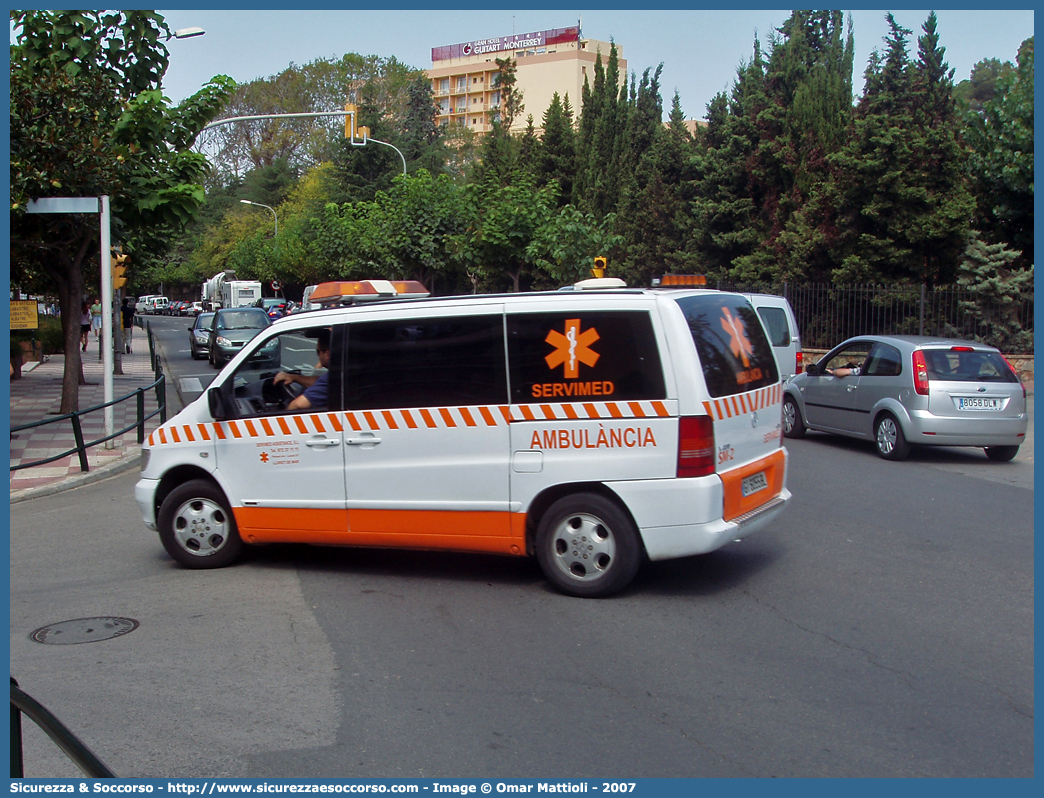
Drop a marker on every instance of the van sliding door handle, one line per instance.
(368, 441)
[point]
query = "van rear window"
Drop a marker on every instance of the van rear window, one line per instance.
(734, 352)
(583, 357)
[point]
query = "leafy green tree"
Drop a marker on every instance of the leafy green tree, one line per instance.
(501, 222)
(419, 218)
(88, 119)
(564, 248)
(1001, 164)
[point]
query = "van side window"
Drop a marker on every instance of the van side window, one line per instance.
(583, 357)
(734, 352)
(775, 321)
(439, 362)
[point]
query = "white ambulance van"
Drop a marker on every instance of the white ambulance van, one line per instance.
(591, 429)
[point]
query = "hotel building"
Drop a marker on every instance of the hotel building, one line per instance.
(549, 61)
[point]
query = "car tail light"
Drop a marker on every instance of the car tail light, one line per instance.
(800, 362)
(1016, 373)
(695, 446)
(920, 370)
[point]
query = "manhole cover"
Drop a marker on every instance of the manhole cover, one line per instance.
(83, 630)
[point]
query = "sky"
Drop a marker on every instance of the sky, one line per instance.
(700, 50)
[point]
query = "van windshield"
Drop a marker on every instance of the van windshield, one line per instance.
(734, 352)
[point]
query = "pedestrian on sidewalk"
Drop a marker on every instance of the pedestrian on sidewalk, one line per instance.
(127, 314)
(85, 324)
(96, 319)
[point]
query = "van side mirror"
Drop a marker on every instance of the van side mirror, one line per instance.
(219, 402)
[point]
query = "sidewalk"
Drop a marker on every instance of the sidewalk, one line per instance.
(37, 395)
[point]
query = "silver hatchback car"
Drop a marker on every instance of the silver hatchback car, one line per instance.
(900, 390)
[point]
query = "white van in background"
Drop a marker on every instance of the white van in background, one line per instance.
(778, 319)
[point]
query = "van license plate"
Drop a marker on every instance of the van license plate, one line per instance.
(979, 403)
(754, 483)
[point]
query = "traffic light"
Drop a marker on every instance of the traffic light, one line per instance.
(349, 120)
(599, 267)
(119, 271)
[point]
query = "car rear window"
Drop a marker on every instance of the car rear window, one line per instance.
(967, 366)
(583, 357)
(735, 354)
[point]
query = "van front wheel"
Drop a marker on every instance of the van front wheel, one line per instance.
(587, 546)
(197, 527)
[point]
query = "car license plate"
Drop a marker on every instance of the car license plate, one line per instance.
(978, 403)
(754, 483)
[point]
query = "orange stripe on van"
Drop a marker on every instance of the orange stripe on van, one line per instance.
(466, 415)
(735, 406)
(592, 411)
(661, 409)
(174, 434)
(267, 427)
(489, 418)
(527, 414)
(235, 429)
(614, 411)
(636, 408)
(251, 432)
(301, 426)
(188, 434)
(219, 431)
(491, 532)
(162, 435)
(570, 412)
(353, 422)
(505, 411)
(426, 415)
(335, 422)
(203, 432)
(371, 420)
(407, 416)
(389, 419)
(317, 422)
(152, 442)
(709, 410)
(447, 416)
(548, 412)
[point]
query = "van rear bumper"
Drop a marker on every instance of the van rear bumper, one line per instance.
(682, 517)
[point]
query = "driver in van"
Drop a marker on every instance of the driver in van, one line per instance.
(315, 384)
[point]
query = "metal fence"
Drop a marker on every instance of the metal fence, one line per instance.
(827, 314)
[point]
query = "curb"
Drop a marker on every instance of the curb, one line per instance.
(131, 460)
(106, 471)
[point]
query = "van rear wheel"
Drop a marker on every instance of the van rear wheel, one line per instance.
(197, 527)
(587, 546)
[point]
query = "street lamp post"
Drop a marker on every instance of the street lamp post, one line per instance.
(185, 33)
(260, 205)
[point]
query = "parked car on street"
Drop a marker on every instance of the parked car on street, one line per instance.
(900, 391)
(199, 336)
(233, 327)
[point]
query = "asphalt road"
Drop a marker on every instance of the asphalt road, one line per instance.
(884, 627)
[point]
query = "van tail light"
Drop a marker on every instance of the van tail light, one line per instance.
(695, 446)
(920, 370)
(800, 362)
